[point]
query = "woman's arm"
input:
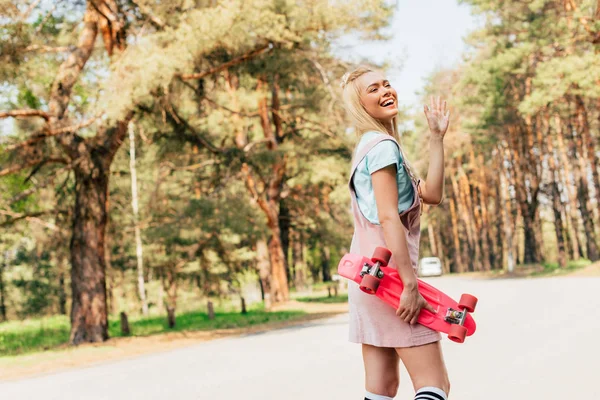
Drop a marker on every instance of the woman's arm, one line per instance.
(438, 119)
(386, 197)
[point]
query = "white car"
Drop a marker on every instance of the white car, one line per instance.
(430, 266)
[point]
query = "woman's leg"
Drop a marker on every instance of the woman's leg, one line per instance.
(426, 367)
(382, 373)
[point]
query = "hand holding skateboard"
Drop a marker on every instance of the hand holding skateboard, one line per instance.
(376, 278)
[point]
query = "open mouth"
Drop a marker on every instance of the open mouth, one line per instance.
(388, 103)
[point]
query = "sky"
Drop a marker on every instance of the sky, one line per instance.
(427, 35)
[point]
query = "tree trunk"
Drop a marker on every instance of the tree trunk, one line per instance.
(264, 270)
(508, 226)
(556, 202)
(487, 241)
(171, 321)
(526, 194)
(583, 197)
(588, 146)
(269, 199)
(169, 283)
(62, 294)
(432, 243)
(325, 257)
(459, 267)
(469, 218)
(210, 310)
(2, 292)
(88, 285)
(279, 285)
(500, 225)
(284, 224)
(136, 222)
(298, 260)
(125, 331)
(570, 187)
(92, 159)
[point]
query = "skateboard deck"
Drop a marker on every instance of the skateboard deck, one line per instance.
(376, 278)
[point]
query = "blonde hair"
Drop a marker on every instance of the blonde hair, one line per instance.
(362, 121)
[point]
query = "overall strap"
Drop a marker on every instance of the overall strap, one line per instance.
(358, 157)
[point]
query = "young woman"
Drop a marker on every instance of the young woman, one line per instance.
(386, 201)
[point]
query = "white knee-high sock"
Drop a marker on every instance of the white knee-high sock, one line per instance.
(430, 393)
(372, 396)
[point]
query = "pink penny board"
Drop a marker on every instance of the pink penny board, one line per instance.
(449, 313)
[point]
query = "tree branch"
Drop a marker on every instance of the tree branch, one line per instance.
(31, 218)
(48, 49)
(197, 136)
(34, 189)
(48, 133)
(251, 54)
(24, 114)
(16, 168)
(145, 11)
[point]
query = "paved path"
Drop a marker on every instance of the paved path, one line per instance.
(536, 339)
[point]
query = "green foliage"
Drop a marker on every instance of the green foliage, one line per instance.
(31, 336)
(343, 298)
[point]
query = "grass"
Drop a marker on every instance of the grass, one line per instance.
(342, 298)
(554, 268)
(34, 335)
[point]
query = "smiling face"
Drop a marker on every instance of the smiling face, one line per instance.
(378, 97)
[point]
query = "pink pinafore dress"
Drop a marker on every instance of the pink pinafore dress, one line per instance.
(372, 321)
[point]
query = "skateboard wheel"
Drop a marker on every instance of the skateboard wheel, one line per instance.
(382, 255)
(369, 284)
(467, 302)
(457, 333)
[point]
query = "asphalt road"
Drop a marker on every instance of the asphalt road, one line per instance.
(536, 339)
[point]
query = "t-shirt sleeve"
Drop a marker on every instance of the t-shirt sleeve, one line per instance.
(382, 155)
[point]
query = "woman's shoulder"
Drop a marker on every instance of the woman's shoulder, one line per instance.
(371, 135)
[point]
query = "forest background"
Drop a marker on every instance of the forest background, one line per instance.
(156, 155)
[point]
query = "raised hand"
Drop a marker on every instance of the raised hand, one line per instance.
(438, 117)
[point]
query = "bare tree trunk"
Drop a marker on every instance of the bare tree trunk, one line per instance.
(125, 331)
(264, 270)
(136, 222)
(432, 244)
(453, 216)
(298, 259)
(325, 257)
(284, 224)
(484, 201)
(588, 146)
(583, 197)
(169, 282)
(508, 231)
(2, 291)
(526, 196)
(556, 202)
(470, 218)
(269, 198)
(62, 295)
(89, 312)
(570, 187)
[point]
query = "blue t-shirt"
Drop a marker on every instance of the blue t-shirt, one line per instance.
(380, 156)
